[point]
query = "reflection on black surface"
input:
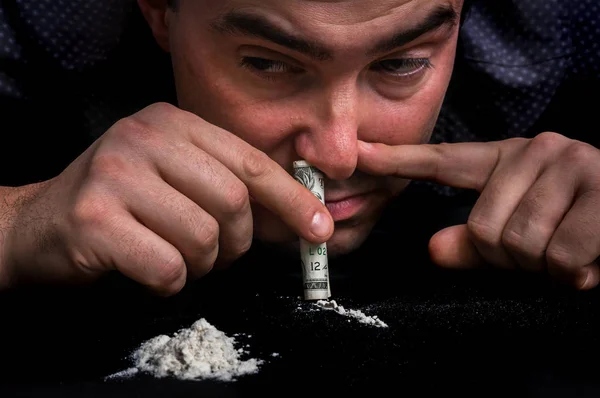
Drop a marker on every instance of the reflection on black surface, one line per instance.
(448, 331)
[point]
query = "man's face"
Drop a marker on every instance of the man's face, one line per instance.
(302, 79)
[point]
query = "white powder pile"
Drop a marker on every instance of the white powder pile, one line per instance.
(357, 314)
(200, 352)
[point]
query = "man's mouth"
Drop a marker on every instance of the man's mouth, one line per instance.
(345, 206)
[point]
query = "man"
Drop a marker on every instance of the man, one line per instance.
(353, 87)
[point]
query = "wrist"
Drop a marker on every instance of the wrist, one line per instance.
(12, 200)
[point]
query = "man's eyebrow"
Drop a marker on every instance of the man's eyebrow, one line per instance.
(241, 23)
(444, 15)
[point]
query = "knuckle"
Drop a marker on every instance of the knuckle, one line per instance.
(89, 212)
(559, 258)
(198, 266)
(133, 131)
(170, 275)
(163, 111)
(206, 235)
(547, 141)
(515, 242)
(237, 200)
(438, 153)
(483, 232)
(256, 164)
(242, 248)
(127, 126)
(579, 153)
(162, 107)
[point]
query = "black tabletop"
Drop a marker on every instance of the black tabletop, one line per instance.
(487, 332)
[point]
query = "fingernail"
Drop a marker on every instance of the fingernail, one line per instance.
(320, 224)
(590, 280)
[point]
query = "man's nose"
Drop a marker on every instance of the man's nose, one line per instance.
(328, 139)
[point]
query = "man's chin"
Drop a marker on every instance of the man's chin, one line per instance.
(345, 241)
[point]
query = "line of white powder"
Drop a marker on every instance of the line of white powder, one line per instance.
(332, 305)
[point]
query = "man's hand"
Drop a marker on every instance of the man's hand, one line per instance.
(162, 196)
(539, 203)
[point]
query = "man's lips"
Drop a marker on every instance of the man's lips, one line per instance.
(333, 196)
(342, 207)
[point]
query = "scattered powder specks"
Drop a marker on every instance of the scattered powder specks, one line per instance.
(356, 314)
(124, 374)
(200, 352)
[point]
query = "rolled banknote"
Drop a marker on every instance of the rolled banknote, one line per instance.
(313, 257)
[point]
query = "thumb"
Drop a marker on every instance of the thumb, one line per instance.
(452, 248)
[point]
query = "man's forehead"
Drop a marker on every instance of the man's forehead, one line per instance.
(337, 12)
(321, 33)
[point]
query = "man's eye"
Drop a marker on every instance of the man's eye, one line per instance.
(264, 65)
(402, 67)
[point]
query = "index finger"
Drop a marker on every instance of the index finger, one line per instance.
(461, 165)
(268, 183)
